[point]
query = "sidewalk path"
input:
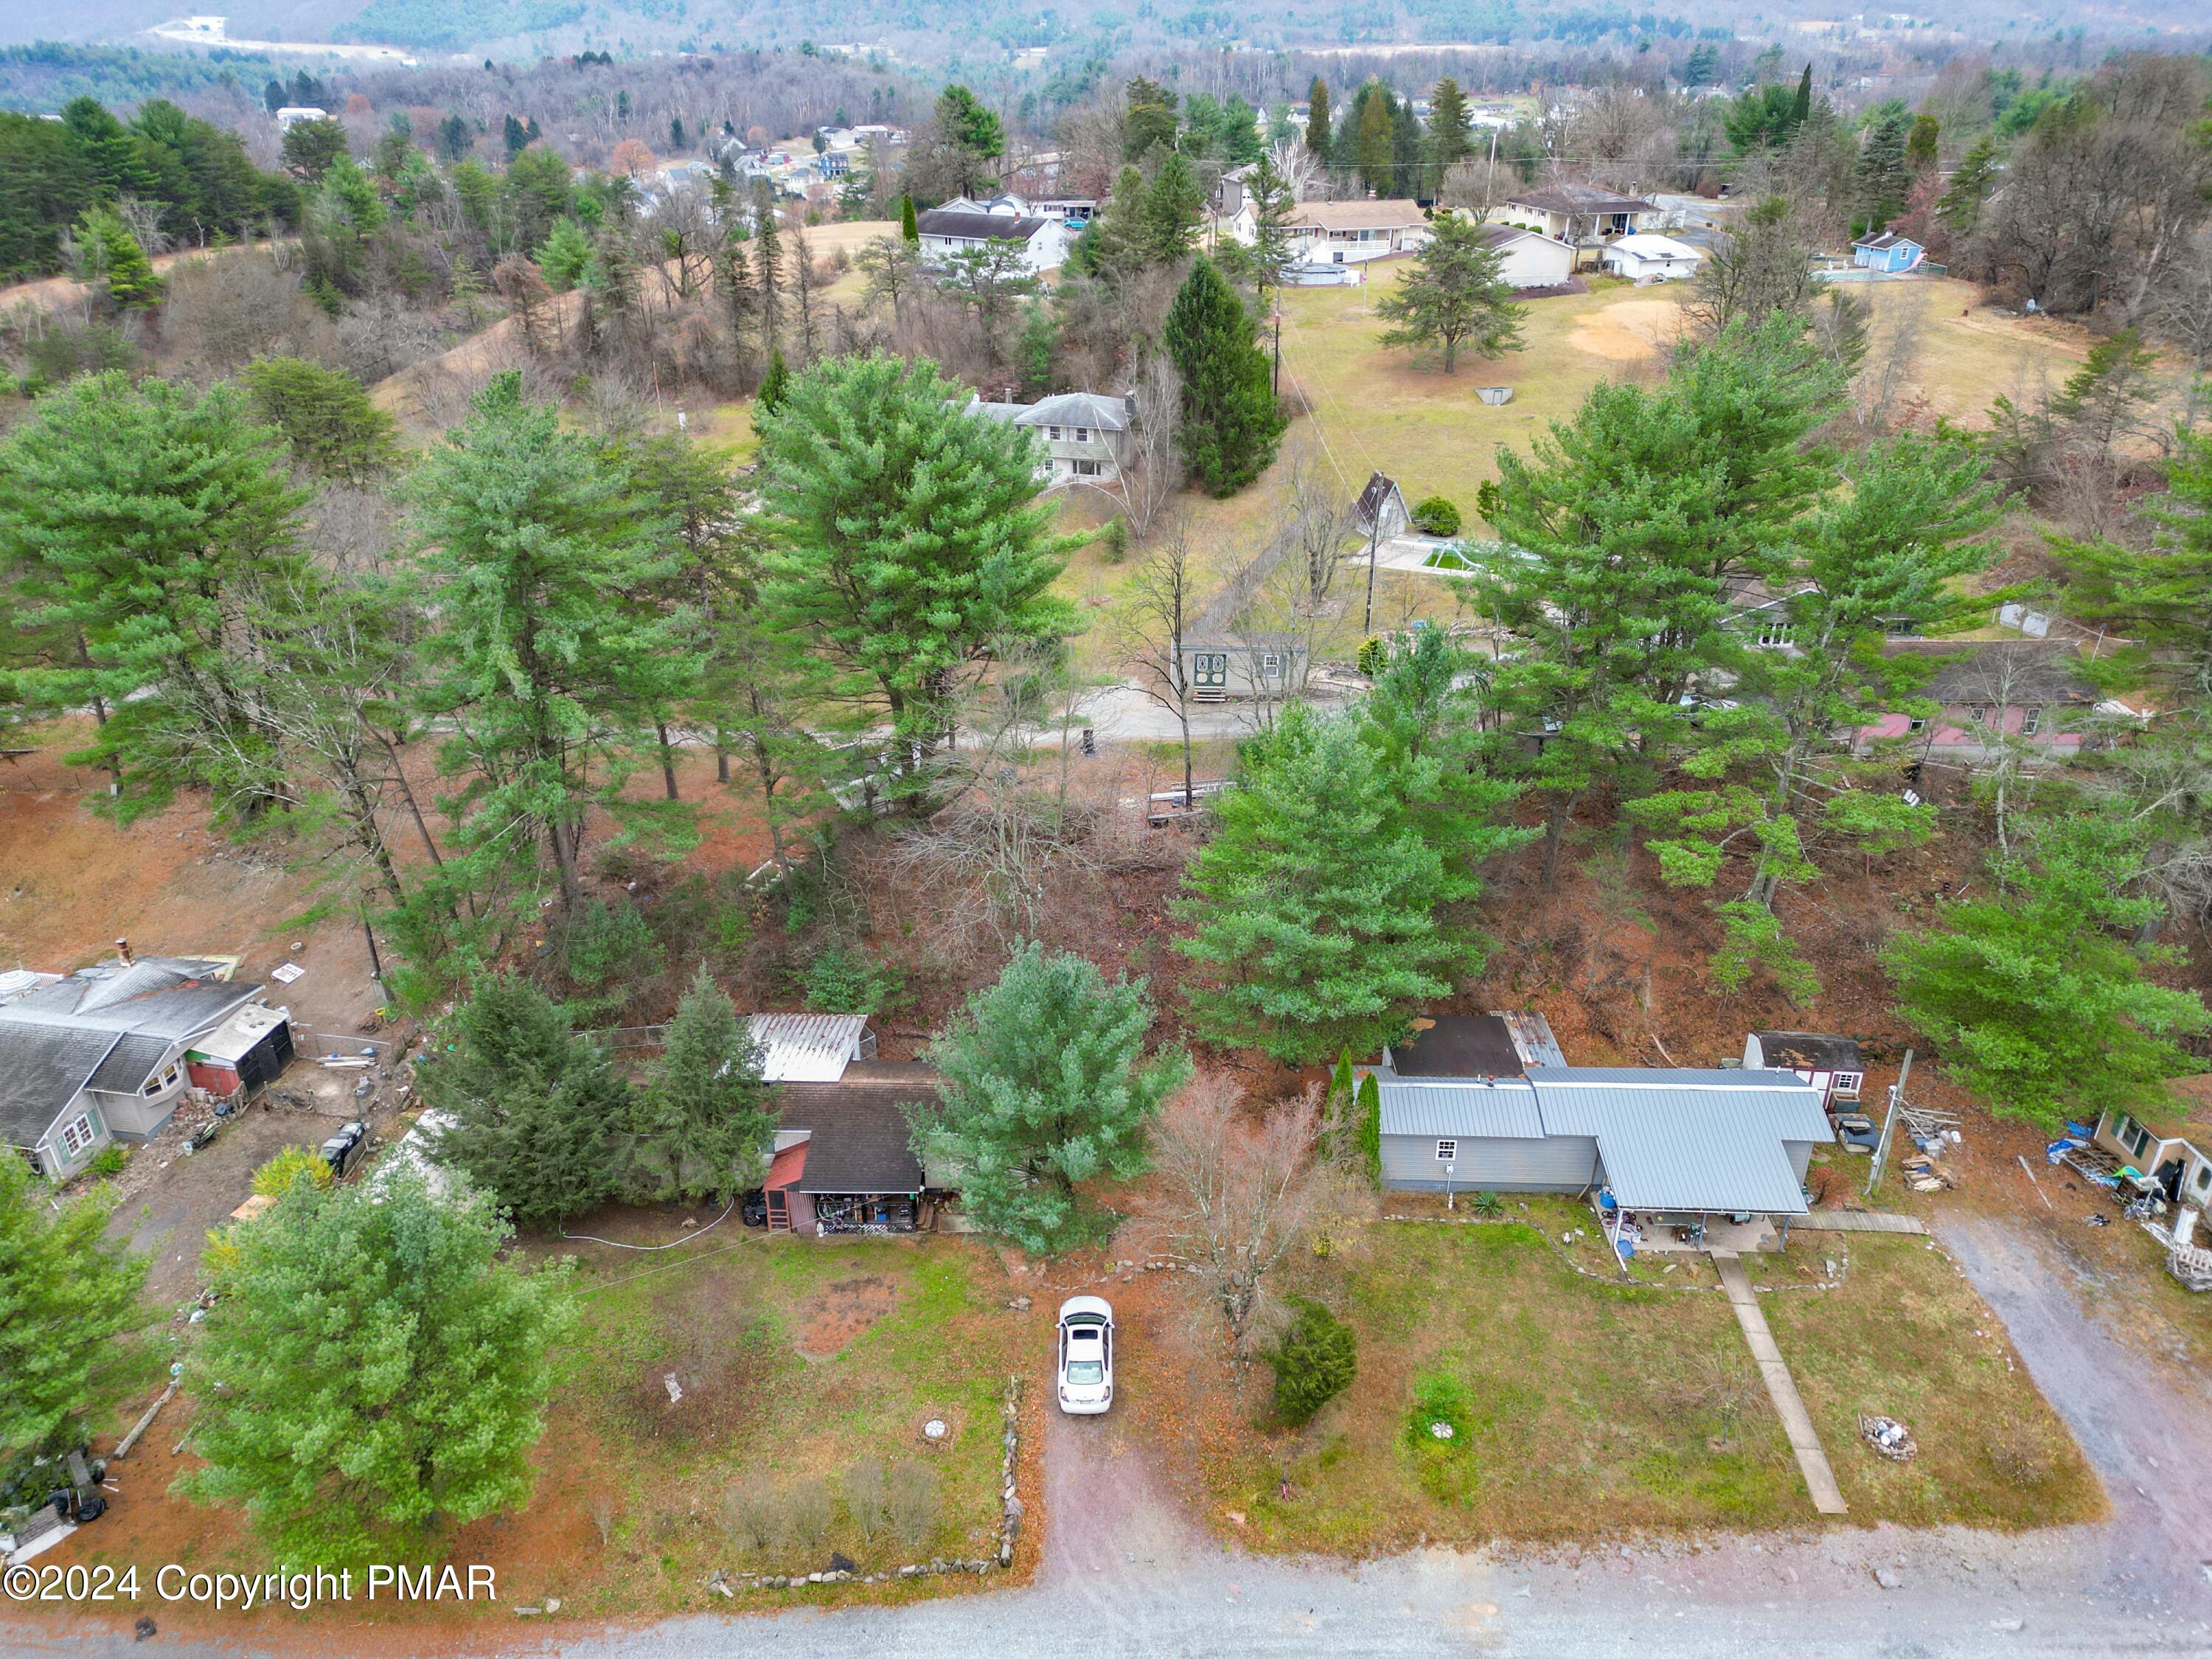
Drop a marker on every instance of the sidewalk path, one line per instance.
(1797, 1421)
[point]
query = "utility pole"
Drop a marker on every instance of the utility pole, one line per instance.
(1279, 343)
(1888, 1123)
(1374, 535)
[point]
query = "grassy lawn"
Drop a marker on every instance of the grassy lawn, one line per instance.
(1577, 1407)
(798, 1363)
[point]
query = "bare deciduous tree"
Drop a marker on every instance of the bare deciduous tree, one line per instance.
(1154, 469)
(1239, 1193)
(1159, 608)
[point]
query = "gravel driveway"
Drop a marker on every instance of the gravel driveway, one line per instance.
(1125, 1572)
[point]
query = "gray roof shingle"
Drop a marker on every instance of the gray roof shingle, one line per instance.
(859, 1140)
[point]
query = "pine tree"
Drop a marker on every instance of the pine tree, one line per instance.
(1319, 134)
(1960, 207)
(373, 1374)
(1231, 423)
(1920, 147)
(532, 543)
(1881, 177)
(540, 1117)
(326, 415)
(910, 223)
(1802, 110)
(113, 261)
(66, 1292)
(565, 255)
(1315, 908)
(1372, 110)
(2160, 595)
(1450, 133)
(701, 1120)
(139, 514)
(912, 544)
(2036, 994)
(1045, 1085)
(1273, 204)
(1172, 208)
(1454, 293)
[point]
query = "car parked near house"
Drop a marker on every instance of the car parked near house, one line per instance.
(1086, 1355)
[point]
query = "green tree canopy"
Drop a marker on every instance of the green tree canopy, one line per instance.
(912, 546)
(1231, 423)
(540, 1117)
(66, 1292)
(1317, 908)
(701, 1120)
(2036, 994)
(1453, 295)
(373, 1373)
(326, 415)
(1044, 1086)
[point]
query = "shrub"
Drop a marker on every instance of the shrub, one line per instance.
(866, 1497)
(610, 948)
(808, 1509)
(752, 1517)
(1373, 656)
(914, 1502)
(274, 1179)
(1114, 540)
(1313, 1363)
(1437, 517)
(108, 1161)
(841, 980)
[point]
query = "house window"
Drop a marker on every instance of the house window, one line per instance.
(1447, 1152)
(1915, 726)
(76, 1136)
(1771, 634)
(1085, 468)
(2030, 722)
(1083, 434)
(1271, 662)
(1052, 432)
(2136, 1141)
(1847, 1083)
(2203, 1177)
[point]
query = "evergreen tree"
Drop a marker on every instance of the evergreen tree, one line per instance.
(1231, 423)
(1044, 1084)
(109, 146)
(1315, 908)
(2036, 993)
(533, 544)
(1454, 293)
(701, 1120)
(1273, 206)
(775, 386)
(1408, 147)
(540, 1117)
(565, 255)
(910, 223)
(66, 1293)
(912, 543)
(1315, 1360)
(1241, 145)
(2160, 595)
(112, 260)
(139, 515)
(1450, 133)
(1960, 207)
(1920, 146)
(1148, 119)
(1172, 207)
(1881, 177)
(326, 415)
(1801, 111)
(373, 1374)
(1319, 133)
(1776, 776)
(1373, 110)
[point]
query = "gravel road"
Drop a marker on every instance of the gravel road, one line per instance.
(1125, 1571)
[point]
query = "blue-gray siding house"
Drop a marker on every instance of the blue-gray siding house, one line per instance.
(1888, 253)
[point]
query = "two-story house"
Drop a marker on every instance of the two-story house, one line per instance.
(950, 231)
(1087, 438)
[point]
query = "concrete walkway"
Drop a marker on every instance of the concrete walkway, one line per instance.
(1856, 1221)
(1797, 1422)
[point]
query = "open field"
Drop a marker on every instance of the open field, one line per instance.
(1581, 1408)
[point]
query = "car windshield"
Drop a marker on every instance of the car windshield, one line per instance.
(1086, 1370)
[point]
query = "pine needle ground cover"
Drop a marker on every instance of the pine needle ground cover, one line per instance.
(1575, 1409)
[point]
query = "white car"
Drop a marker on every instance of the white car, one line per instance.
(1086, 1355)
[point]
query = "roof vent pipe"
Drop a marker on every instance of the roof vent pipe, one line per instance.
(123, 950)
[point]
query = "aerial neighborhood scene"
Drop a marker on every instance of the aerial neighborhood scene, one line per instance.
(947, 829)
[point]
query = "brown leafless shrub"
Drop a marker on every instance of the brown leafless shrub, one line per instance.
(604, 1516)
(751, 1518)
(913, 1502)
(867, 1497)
(808, 1509)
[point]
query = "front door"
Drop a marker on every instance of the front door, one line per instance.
(1209, 670)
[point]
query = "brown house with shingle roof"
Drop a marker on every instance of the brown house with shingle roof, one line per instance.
(844, 1160)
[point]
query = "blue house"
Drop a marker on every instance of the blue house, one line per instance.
(1889, 252)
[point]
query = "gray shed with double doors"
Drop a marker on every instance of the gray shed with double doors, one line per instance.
(1220, 667)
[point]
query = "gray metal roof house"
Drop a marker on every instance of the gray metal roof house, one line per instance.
(1665, 1143)
(109, 1050)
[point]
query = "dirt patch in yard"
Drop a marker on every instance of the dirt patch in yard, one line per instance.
(841, 1312)
(1627, 331)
